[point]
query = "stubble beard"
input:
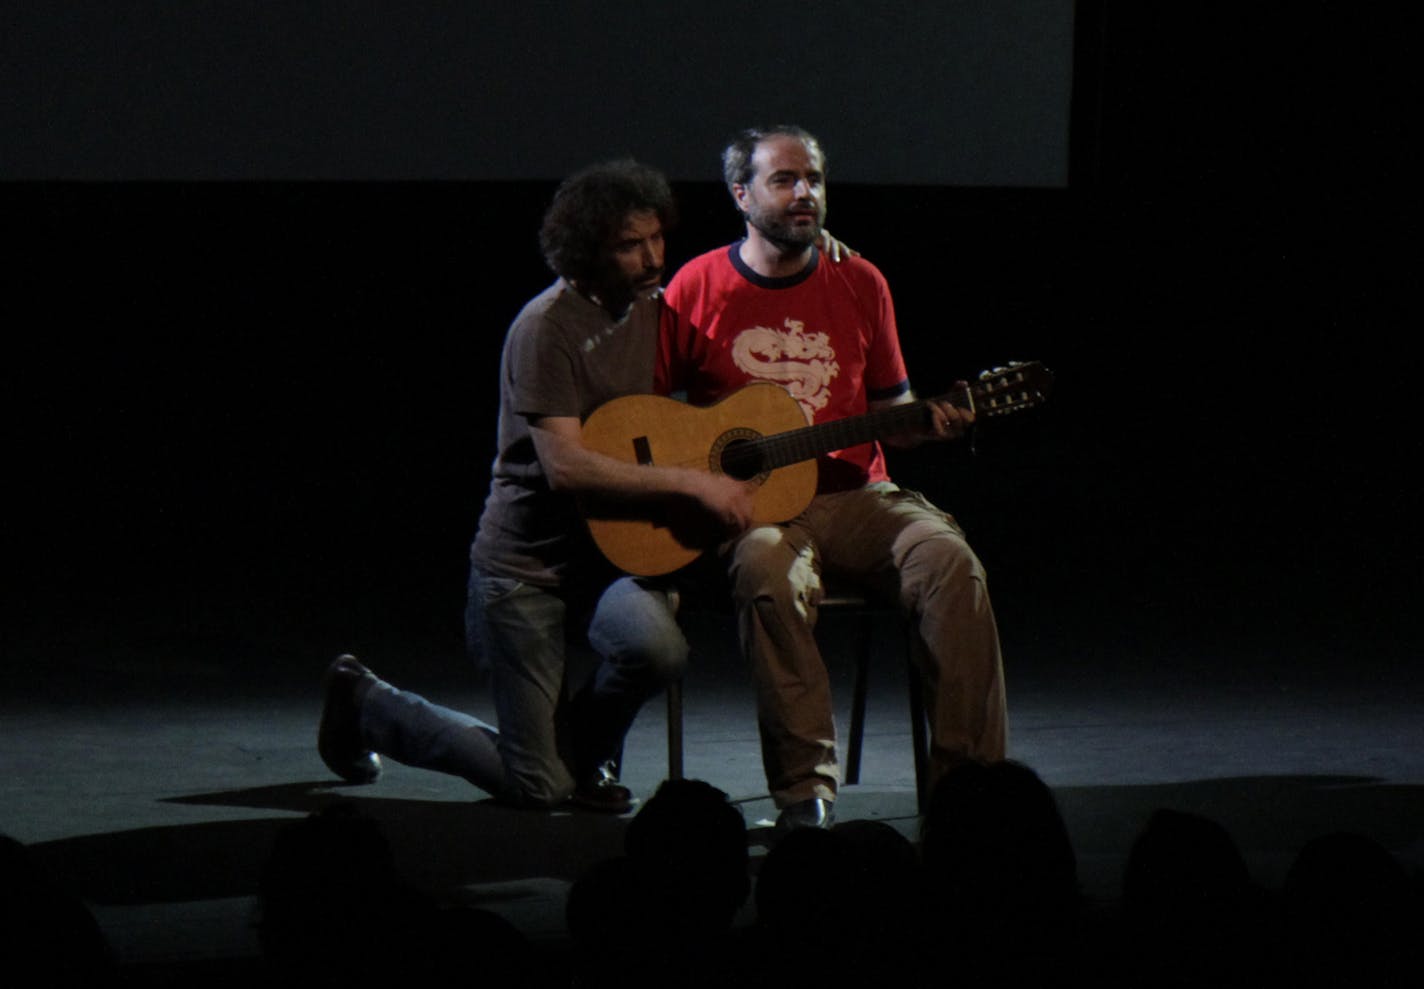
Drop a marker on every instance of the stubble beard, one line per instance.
(781, 231)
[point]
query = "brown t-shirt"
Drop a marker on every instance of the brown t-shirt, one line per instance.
(563, 356)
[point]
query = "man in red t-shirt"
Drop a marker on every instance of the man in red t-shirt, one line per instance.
(768, 308)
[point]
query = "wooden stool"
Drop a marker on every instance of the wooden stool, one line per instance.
(856, 605)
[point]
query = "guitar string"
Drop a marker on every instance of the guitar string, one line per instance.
(780, 449)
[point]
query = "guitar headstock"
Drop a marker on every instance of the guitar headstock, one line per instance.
(1015, 386)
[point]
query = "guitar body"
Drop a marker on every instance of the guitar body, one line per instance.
(658, 431)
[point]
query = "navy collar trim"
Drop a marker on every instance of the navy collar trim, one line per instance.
(762, 281)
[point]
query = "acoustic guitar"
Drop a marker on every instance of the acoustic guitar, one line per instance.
(757, 433)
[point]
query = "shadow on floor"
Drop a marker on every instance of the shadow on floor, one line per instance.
(438, 845)
(442, 846)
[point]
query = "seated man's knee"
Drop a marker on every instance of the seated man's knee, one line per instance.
(940, 553)
(767, 565)
(941, 573)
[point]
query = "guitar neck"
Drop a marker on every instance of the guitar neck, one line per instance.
(999, 392)
(792, 447)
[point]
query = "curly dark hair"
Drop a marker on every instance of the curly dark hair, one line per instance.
(589, 209)
(737, 156)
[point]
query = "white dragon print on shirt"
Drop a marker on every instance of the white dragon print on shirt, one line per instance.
(803, 363)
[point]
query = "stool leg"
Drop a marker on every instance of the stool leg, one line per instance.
(674, 729)
(857, 707)
(919, 735)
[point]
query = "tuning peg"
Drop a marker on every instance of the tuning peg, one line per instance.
(1010, 366)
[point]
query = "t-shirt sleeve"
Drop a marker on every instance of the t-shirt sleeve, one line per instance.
(672, 368)
(539, 370)
(666, 373)
(885, 373)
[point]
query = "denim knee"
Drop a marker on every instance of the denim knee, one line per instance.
(659, 658)
(635, 629)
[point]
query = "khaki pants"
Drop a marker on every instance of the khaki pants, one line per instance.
(890, 542)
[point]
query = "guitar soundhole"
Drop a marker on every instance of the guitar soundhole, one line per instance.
(735, 455)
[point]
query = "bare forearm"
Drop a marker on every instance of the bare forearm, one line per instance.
(576, 469)
(570, 466)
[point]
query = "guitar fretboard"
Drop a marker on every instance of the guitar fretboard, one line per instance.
(752, 457)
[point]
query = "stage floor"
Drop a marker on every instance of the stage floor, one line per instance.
(153, 781)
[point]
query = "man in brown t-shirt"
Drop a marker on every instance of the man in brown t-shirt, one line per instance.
(535, 578)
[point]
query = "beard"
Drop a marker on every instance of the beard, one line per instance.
(619, 289)
(781, 228)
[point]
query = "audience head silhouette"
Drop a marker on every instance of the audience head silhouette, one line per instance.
(661, 913)
(1351, 912)
(334, 911)
(993, 839)
(690, 835)
(47, 934)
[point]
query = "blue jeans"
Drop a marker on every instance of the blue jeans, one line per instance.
(544, 742)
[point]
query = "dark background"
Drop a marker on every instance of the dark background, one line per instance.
(252, 419)
(971, 92)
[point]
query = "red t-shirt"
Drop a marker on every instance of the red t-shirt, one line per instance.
(826, 334)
